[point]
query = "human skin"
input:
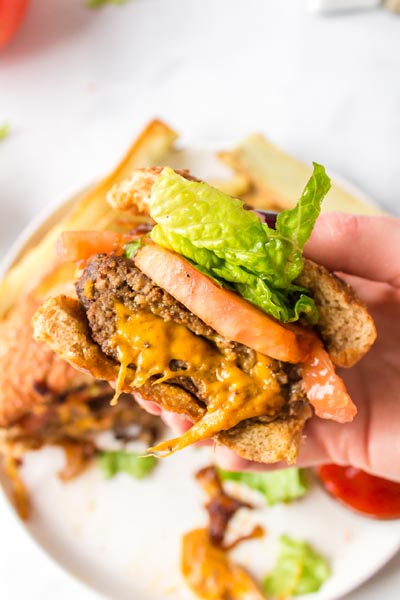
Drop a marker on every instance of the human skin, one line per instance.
(365, 251)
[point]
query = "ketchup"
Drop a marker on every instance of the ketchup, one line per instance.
(367, 494)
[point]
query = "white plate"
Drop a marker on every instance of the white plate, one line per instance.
(122, 537)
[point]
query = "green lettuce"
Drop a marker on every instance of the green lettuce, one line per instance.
(99, 3)
(299, 570)
(233, 246)
(113, 462)
(283, 485)
(131, 248)
(4, 131)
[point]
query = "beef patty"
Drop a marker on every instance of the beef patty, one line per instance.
(107, 280)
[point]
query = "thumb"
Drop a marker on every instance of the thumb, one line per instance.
(365, 246)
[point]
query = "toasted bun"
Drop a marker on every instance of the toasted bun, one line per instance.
(132, 195)
(278, 440)
(346, 327)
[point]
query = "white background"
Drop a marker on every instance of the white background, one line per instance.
(77, 85)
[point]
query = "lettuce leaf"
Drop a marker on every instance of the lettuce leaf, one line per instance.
(233, 246)
(113, 462)
(299, 570)
(296, 224)
(131, 248)
(283, 485)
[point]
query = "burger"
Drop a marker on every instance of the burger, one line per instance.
(211, 313)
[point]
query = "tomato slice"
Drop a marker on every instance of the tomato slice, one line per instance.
(223, 310)
(370, 495)
(324, 388)
(81, 245)
(12, 13)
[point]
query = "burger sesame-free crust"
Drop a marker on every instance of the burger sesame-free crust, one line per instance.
(346, 327)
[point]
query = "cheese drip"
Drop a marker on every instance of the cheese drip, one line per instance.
(152, 346)
(211, 574)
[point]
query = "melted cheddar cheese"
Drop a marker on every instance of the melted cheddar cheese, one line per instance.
(211, 574)
(152, 346)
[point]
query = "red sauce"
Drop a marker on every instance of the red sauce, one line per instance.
(370, 495)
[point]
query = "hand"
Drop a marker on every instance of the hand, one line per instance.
(366, 253)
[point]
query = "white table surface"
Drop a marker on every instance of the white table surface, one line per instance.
(76, 85)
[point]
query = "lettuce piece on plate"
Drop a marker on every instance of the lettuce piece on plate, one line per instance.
(283, 485)
(4, 131)
(113, 462)
(231, 244)
(298, 570)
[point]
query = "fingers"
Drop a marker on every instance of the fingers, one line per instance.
(178, 423)
(229, 460)
(365, 246)
(147, 405)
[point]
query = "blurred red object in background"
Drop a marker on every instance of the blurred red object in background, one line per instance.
(367, 494)
(12, 13)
